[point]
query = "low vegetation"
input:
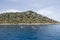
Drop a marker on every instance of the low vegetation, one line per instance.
(24, 17)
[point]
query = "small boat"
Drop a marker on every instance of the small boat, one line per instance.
(21, 27)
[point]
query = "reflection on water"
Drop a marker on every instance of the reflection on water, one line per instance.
(30, 32)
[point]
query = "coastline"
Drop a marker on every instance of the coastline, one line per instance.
(27, 23)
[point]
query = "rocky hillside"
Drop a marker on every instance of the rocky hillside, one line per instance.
(24, 17)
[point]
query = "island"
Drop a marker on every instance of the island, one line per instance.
(25, 18)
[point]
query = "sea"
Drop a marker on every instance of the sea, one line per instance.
(30, 32)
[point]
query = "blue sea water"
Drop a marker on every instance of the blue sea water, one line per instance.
(29, 32)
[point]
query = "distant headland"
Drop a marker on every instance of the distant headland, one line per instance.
(27, 17)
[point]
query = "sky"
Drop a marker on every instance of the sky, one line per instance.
(49, 8)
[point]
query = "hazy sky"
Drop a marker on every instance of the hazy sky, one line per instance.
(50, 8)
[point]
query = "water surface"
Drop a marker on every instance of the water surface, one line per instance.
(29, 32)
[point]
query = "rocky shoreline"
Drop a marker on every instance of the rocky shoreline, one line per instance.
(27, 23)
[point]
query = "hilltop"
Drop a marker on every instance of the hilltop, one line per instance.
(24, 17)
